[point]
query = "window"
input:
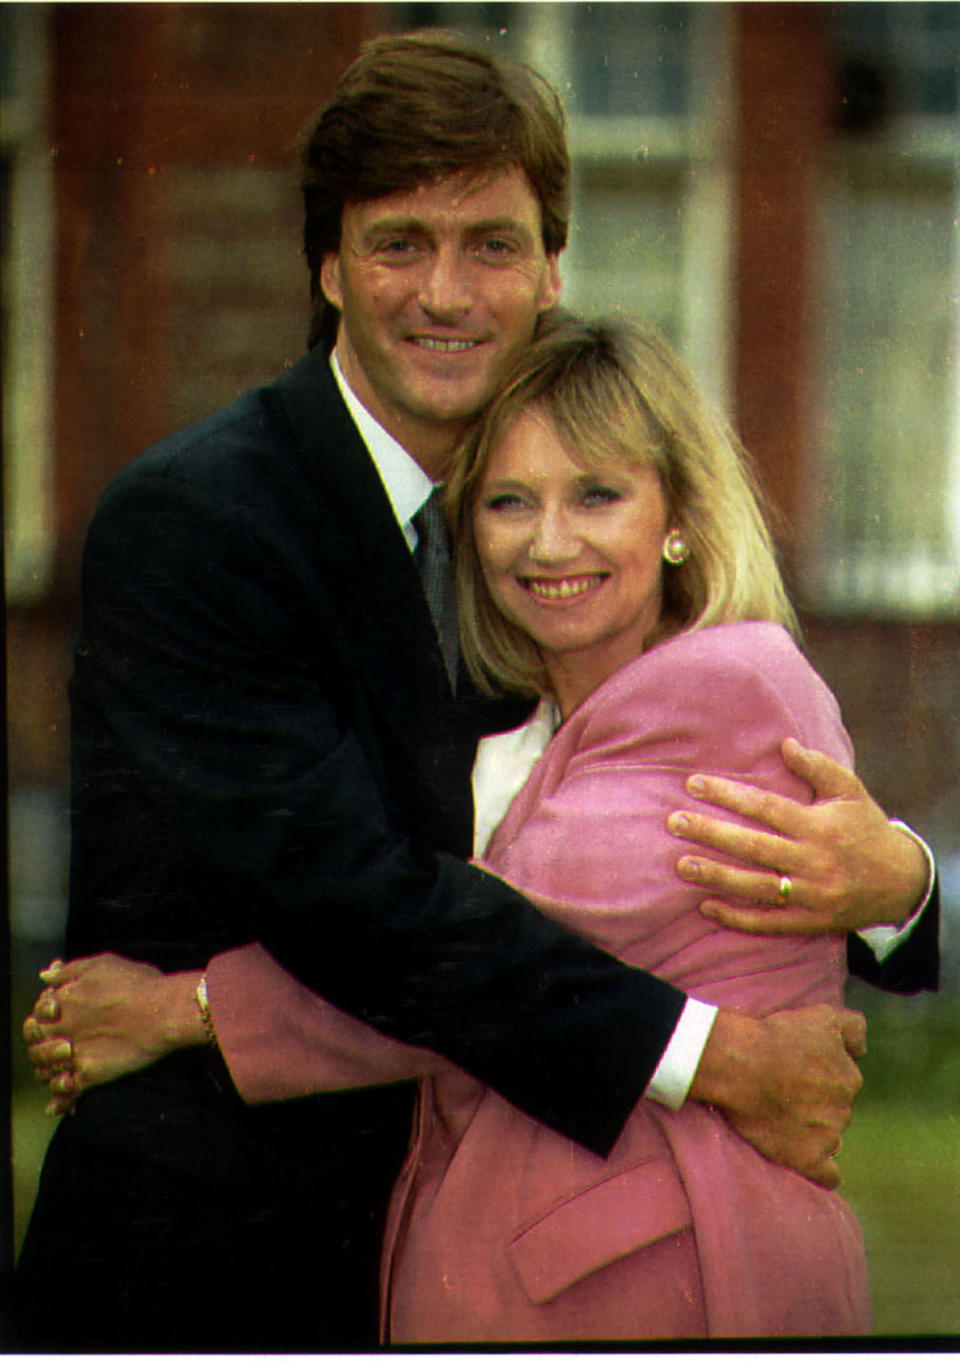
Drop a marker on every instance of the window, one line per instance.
(27, 310)
(885, 499)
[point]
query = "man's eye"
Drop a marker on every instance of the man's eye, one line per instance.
(396, 246)
(496, 247)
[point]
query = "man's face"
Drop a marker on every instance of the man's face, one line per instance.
(438, 288)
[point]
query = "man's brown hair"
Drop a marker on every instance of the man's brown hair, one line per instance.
(418, 108)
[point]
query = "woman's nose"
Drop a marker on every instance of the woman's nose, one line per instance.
(553, 539)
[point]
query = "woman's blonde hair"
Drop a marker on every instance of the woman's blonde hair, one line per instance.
(616, 393)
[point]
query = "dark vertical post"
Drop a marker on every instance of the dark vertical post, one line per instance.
(783, 82)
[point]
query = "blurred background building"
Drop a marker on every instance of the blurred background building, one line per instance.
(776, 185)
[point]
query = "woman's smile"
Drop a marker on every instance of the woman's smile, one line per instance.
(550, 589)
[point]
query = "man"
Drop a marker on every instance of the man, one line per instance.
(268, 746)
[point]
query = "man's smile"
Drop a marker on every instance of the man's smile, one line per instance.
(444, 346)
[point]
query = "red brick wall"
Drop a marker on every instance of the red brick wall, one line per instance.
(179, 276)
(180, 281)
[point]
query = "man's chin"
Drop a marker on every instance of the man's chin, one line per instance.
(450, 407)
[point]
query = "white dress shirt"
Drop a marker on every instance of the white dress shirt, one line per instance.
(404, 481)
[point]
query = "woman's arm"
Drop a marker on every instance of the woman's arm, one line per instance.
(280, 1040)
(103, 1017)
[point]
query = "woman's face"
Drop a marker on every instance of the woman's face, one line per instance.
(571, 557)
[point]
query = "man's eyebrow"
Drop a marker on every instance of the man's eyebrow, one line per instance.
(501, 224)
(399, 225)
(394, 224)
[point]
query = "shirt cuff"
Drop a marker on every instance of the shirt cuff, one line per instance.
(885, 939)
(678, 1064)
(672, 1077)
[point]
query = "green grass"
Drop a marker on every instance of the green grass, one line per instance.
(901, 1174)
(32, 1130)
(901, 1171)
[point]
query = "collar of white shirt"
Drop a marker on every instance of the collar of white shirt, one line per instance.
(504, 760)
(404, 481)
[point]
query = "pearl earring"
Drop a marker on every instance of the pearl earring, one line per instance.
(675, 549)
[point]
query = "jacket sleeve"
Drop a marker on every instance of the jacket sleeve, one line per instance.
(914, 966)
(193, 658)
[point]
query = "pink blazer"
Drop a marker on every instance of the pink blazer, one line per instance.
(501, 1229)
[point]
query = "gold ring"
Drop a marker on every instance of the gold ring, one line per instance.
(784, 888)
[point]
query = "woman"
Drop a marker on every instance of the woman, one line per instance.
(611, 559)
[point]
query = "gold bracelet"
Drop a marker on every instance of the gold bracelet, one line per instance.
(203, 1002)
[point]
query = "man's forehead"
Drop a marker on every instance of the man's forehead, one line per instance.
(495, 196)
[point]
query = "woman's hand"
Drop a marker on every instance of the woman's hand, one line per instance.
(102, 1017)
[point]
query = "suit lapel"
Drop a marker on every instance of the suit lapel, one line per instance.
(375, 590)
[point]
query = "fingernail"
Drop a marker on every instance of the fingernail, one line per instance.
(678, 822)
(688, 866)
(696, 785)
(62, 1050)
(52, 1109)
(709, 910)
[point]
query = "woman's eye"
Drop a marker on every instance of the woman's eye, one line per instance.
(600, 495)
(504, 501)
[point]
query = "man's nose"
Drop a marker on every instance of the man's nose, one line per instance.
(446, 292)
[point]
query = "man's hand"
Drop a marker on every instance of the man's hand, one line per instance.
(102, 1017)
(786, 1082)
(836, 865)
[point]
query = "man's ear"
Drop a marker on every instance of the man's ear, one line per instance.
(552, 285)
(330, 279)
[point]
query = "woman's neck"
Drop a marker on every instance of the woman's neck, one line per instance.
(573, 676)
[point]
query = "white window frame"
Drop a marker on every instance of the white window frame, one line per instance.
(28, 304)
(839, 578)
(698, 147)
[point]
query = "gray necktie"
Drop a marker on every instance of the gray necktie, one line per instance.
(432, 557)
